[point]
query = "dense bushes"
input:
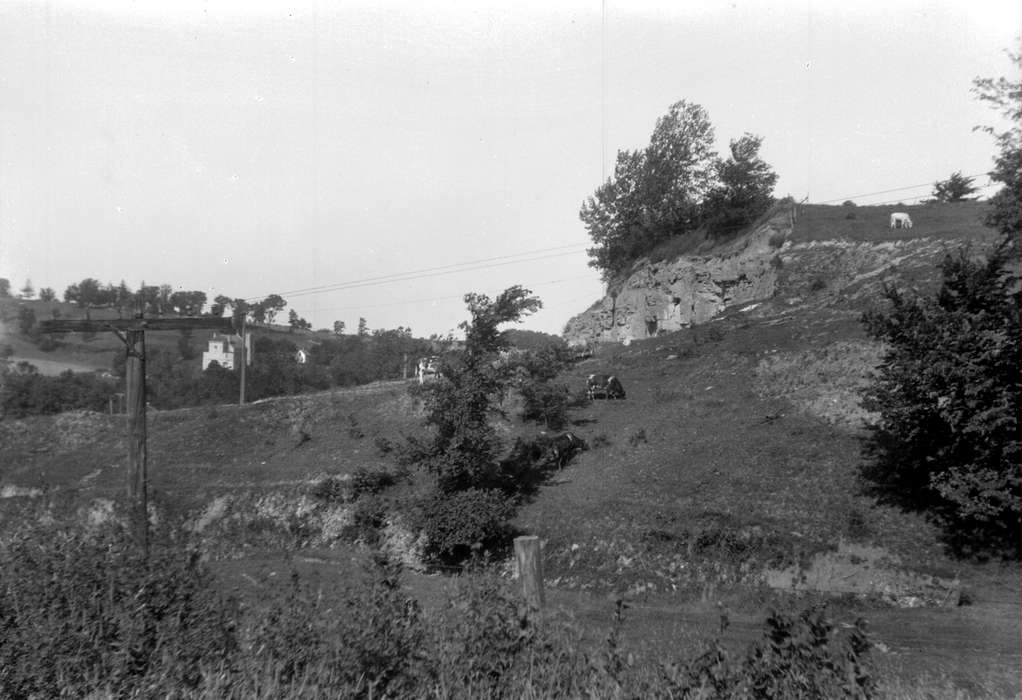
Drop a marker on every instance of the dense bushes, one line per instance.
(82, 614)
(949, 395)
(455, 523)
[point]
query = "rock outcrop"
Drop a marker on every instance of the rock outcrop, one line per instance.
(666, 296)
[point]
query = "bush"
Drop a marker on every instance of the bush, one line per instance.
(949, 395)
(456, 523)
(546, 403)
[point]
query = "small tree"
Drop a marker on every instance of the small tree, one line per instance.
(745, 189)
(949, 395)
(5, 288)
(956, 188)
(338, 328)
(363, 327)
(296, 322)
(47, 294)
(463, 451)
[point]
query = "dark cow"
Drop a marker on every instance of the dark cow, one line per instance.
(604, 385)
(562, 448)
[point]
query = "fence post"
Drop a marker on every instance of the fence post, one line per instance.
(530, 570)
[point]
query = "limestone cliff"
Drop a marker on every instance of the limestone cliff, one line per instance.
(669, 295)
(823, 256)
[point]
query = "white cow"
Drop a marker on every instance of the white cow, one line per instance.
(900, 219)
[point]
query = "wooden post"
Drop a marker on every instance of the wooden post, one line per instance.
(244, 362)
(530, 570)
(137, 453)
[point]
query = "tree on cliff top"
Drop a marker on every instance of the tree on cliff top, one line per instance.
(744, 190)
(655, 193)
(1006, 97)
(673, 186)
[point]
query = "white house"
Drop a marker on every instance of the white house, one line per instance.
(226, 350)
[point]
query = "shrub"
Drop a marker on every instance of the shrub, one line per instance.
(546, 403)
(949, 395)
(456, 523)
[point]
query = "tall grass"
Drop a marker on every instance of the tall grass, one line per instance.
(84, 615)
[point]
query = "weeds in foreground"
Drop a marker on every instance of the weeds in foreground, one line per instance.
(83, 615)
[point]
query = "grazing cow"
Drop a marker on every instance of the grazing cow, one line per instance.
(428, 369)
(562, 448)
(606, 385)
(900, 219)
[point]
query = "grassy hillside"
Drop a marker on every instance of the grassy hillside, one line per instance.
(736, 453)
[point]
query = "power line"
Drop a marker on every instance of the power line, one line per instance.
(409, 302)
(896, 189)
(465, 266)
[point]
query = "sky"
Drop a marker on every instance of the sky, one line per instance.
(382, 159)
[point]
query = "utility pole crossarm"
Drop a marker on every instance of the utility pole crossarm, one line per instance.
(79, 325)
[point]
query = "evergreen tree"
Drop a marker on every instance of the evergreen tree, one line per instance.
(956, 188)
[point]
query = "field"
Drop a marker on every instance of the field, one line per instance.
(731, 465)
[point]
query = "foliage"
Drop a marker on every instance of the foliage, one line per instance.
(106, 616)
(456, 522)
(1006, 97)
(672, 187)
(654, 193)
(296, 322)
(463, 449)
(5, 288)
(47, 294)
(110, 623)
(744, 189)
(373, 646)
(25, 392)
(949, 393)
(956, 188)
(800, 657)
(546, 402)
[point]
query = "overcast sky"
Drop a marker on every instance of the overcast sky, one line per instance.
(255, 148)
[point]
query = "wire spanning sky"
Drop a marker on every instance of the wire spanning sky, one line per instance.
(250, 148)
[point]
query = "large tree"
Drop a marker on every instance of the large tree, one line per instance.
(1005, 96)
(655, 193)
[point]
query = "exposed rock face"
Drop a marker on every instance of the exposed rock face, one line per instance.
(667, 296)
